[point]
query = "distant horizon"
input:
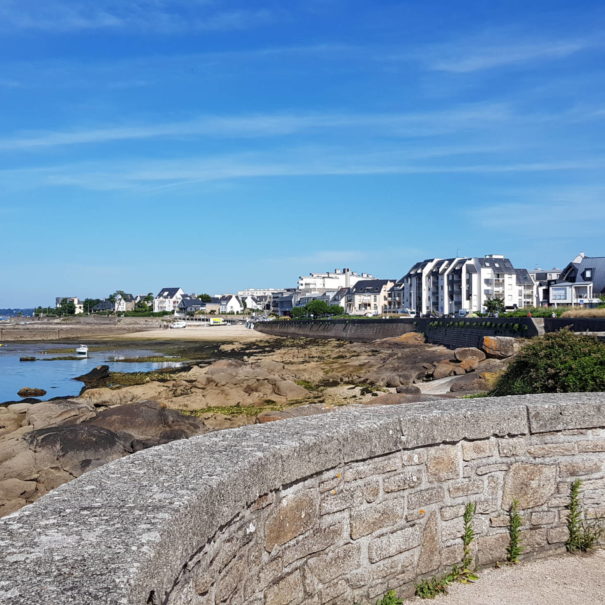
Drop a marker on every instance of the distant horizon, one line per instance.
(224, 145)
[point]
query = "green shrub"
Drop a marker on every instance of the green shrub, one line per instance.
(561, 362)
(390, 598)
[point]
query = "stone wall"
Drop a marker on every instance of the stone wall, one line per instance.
(336, 508)
(346, 329)
(451, 332)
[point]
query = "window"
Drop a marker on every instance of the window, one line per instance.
(558, 294)
(588, 274)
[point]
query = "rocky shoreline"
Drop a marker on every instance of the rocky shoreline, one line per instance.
(45, 444)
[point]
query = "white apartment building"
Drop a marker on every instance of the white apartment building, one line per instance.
(323, 282)
(368, 297)
(453, 284)
(168, 299)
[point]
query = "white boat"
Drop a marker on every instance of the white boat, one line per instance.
(82, 351)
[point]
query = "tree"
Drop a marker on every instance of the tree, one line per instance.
(495, 305)
(205, 298)
(89, 303)
(315, 309)
(67, 307)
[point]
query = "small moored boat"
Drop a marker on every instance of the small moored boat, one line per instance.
(82, 351)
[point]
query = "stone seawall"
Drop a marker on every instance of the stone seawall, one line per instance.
(449, 332)
(331, 509)
(361, 330)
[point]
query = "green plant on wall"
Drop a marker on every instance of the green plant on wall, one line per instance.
(583, 535)
(463, 572)
(514, 548)
(390, 598)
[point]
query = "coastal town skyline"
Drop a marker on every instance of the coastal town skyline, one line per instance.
(225, 144)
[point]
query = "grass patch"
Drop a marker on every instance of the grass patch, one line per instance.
(129, 379)
(234, 410)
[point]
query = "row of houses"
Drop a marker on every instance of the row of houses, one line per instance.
(437, 285)
(448, 286)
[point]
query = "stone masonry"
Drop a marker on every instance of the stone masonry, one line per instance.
(319, 510)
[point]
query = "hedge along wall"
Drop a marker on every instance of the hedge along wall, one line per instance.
(325, 509)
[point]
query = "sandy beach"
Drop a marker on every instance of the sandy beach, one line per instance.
(236, 333)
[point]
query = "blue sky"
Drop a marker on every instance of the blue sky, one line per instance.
(217, 145)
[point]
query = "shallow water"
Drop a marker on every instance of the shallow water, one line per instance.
(57, 377)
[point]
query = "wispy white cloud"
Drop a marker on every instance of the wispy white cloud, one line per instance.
(494, 49)
(154, 16)
(472, 117)
(546, 213)
(155, 175)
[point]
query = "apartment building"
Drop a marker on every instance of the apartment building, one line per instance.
(368, 297)
(323, 282)
(451, 285)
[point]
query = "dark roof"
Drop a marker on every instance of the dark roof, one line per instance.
(104, 306)
(496, 263)
(340, 293)
(369, 286)
(576, 272)
(523, 277)
(168, 292)
(128, 298)
(191, 302)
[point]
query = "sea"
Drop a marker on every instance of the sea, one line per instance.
(56, 377)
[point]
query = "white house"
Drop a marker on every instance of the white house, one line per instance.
(124, 303)
(78, 304)
(231, 304)
(582, 281)
(168, 299)
(368, 297)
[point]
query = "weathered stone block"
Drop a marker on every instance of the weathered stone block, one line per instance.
(579, 467)
(534, 539)
(317, 540)
(451, 512)
(288, 591)
(369, 519)
(512, 447)
(450, 530)
(393, 544)
(342, 561)
(443, 463)
(552, 449)
(430, 551)
(396, 483)
(556, 412)
(413, 458)
(293, 516)
(543, 517)
(333, 591)
(492, 468)
(591, 446)
(471, 450)
(557, 535)
(460, 489)
(491, 549)
(424, 497)
(531, 484)
(379, 466)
